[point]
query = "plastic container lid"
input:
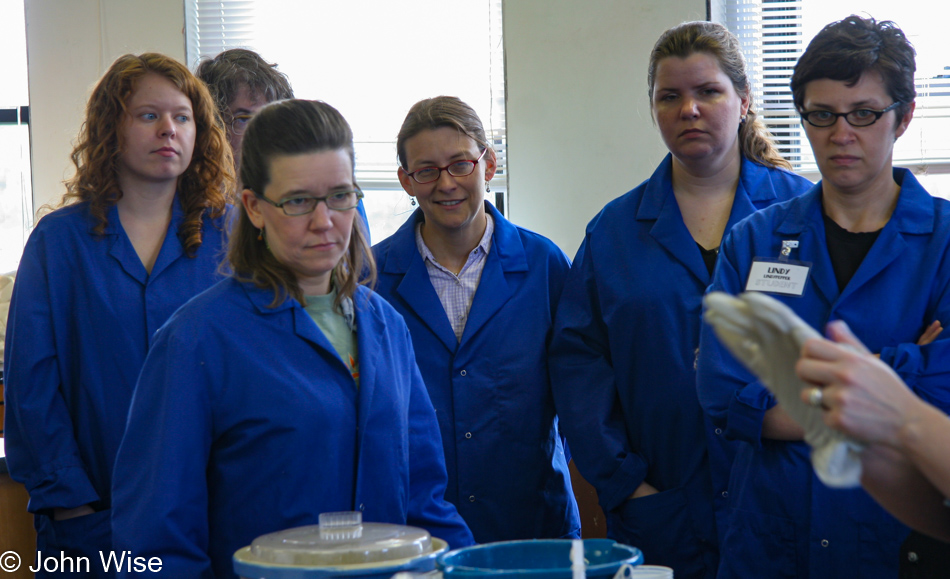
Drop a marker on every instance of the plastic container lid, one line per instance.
(340, 539)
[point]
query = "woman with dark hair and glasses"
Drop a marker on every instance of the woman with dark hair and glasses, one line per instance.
(287, 390)
(478, 294)
(867, 245)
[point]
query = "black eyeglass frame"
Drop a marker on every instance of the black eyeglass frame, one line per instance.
(438, 175)
(834, 116)
(281, 204)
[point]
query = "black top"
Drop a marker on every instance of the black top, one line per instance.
(923, 557)
(847, 250)
(709, 257)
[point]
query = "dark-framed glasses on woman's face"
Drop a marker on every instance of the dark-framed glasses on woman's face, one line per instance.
(239, 124)
(855, 118)
(456, 169)
(304, 204)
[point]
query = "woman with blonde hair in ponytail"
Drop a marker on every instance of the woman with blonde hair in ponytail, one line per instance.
(628, 322)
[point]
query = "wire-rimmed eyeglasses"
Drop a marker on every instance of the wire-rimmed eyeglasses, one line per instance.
(239, 124)
(304, 204)
(455, 169)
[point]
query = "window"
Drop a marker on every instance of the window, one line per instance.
(372, 60)
(787, 26)
(16, 190)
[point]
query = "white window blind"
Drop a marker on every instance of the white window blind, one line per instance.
(372, 60)
(16, 188)
(212, 27)
(774, 33)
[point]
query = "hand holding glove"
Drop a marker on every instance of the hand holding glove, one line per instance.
(767, 337)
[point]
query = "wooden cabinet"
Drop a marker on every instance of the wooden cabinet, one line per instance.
(16, 524)
(593, 521)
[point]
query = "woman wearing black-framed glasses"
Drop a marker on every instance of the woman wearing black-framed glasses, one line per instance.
(869, 246)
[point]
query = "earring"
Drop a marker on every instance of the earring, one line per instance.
(487, 187)
(260, 234)
(412, 201)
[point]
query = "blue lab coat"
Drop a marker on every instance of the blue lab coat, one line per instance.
(362, 211)
(245, 421)
(622, 363)
(82, 315)
(508, 474)
(785, 522)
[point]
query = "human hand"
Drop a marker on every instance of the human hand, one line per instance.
(862, 396)
(767, 337)
(930, 334)
(63, 514)
(644, 490)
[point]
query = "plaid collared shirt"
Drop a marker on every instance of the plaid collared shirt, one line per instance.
(456, 292)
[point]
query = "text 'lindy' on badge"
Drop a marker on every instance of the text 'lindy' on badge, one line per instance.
(777, 277)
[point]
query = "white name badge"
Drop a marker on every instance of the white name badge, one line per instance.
(778, 277)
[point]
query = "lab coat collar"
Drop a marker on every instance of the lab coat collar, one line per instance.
(368, 322)
(915, 206)
(754, 180)
(403, 259)
(123, 251)
(669, 230)
(506, 255)
(400, 253)
(914, 212)
(371, 327)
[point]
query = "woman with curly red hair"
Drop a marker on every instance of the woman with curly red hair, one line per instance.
(138, 233)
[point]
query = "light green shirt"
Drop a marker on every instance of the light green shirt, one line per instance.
(335, 327)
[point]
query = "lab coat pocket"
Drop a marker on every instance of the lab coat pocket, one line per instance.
(659, 525)
(758, 545)
(84, 536)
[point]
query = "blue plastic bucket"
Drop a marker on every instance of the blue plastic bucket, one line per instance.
(550, 559)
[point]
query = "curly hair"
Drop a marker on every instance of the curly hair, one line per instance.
(846, 49)
(714, 39)
(206, 186)
(227, 72)
(293, 127)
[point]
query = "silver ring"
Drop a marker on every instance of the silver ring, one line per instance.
(815, 397)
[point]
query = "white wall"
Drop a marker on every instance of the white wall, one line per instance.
(578, 118)
(70, 44)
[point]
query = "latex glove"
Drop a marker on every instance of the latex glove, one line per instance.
(767, 336)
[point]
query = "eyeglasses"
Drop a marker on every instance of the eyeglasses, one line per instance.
(855, 118)
(239, 124)
(304, 204)
(456, 169)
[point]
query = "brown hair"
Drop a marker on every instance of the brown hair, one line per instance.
(435, 113)
(205, 186)
(293, 127)
(227, 72)
(683, 40)
(846, 49)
